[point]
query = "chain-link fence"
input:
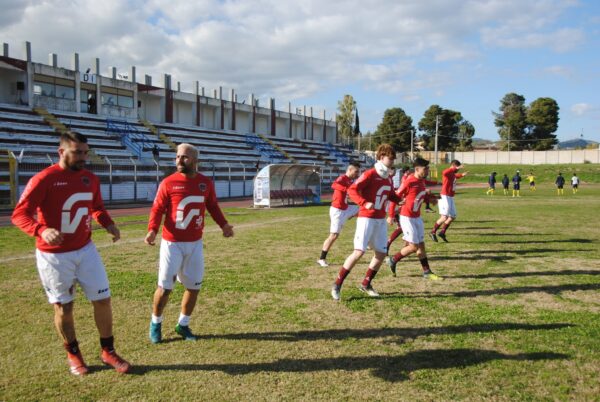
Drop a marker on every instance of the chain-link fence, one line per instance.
(124, 180)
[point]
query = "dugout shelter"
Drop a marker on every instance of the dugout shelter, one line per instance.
(287, 184)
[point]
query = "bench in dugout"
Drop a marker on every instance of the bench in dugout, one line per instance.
(292, 195)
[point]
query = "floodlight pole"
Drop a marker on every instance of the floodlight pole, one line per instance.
(508, 139)
(437, 126)
(412, 140)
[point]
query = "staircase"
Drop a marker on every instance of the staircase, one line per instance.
(60, 128)
(154, 130)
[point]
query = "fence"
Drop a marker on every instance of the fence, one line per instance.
(129, 180)
(525, 157)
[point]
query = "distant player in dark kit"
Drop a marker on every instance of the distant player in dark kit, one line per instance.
(516, 180)
(492, 184)
(446, 204)
(412, 192)
(560, 184)
(505, 184)
(575, 183)
(339, 211)
(371, 192)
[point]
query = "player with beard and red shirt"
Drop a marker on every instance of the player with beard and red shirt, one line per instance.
(340, 211)
(413, 192)
(370, 192)
(66, 197)
(183, 198)
(446, 203)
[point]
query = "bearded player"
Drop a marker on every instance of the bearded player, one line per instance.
(413, 192)
(340, 211)
(66, 197)
(183, 198)
(446, 204)
(370, 192)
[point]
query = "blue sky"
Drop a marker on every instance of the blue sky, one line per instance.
(460, 54)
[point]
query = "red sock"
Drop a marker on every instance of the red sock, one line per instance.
(445, 227)
(398, 256)
(369, 277)
(425, 264)
(394, 236)
(341, 276)
(435, 228)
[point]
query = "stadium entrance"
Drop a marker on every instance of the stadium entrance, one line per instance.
(286, 184)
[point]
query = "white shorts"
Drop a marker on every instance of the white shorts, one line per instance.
(446, 206)
(340, 216)
(413, 229)
(371, 232)
(59, 272)
(181, 259)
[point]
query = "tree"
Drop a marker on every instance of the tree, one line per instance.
(511, 121)
(396, 129)
(542, 122)
(453, 130)
(345, 118)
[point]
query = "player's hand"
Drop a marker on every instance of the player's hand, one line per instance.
(52, 237)
(227, 230)
(390, 220)
(465, 173)
(368, 205)
(150, 238)
(114, 232)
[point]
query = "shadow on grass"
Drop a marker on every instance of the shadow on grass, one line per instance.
(370, 333)
(533, 273)
(531, 241)
(553, 289)
(388, 368)
(521, 252)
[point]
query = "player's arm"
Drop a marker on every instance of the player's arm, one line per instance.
(432, 183)
(355, 192)
(156, 213)
(212, 205)
(338, 184)
(24, 212)
(100, 214)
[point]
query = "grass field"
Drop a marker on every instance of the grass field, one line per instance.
(517, 318)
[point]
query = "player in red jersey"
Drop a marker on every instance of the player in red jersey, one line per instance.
(370, 192)
(413, 192)
(340, 211)
(66, 197)
(396, 217)
(183, 198)
(446, 203)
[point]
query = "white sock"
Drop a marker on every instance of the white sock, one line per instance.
(156, 319)
(184, 320)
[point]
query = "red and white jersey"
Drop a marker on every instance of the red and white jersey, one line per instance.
(184, 201)
(413, 191)
(65, 200)
(340, 192)
(449, 177)
(370, 187)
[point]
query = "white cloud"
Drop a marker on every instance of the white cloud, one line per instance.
(283, 48)
(560, 71)
(580, 109)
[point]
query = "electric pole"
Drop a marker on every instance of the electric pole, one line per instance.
(412, 137)
(437, 125)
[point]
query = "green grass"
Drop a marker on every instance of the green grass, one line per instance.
(517, 318)
(587, 173)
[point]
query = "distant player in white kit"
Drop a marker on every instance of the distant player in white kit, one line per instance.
(183, 198)
(340, 211)
(66, 197)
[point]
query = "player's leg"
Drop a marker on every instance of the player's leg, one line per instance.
(361, 240)
(92, 277)
(57, 274)
(191, 276)
(410, 237)
(169, 263)
(378, 241)
(422, 256)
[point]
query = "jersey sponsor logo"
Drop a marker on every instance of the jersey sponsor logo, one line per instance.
(419, 200)
(178, 187)
(67, 224)
(381, 198)
(60, 183)
(182, 221)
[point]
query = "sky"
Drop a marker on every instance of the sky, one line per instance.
(463, 55)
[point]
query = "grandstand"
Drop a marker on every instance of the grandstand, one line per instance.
(133, 129)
